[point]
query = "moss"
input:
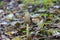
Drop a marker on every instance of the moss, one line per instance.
(1, 3)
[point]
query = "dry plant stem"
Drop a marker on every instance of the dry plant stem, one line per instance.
(57, 11)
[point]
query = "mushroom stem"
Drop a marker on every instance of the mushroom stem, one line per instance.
(27, 28)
